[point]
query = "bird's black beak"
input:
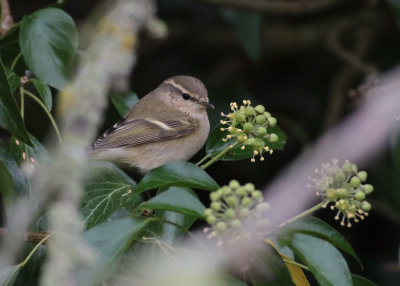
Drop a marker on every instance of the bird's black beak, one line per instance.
(207, 105)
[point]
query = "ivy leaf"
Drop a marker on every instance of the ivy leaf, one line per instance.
(22, 152)
(316, 227)
(124, 104)
(107, 188)
(48, 41)
(171, 233)
(10, 117)
(19, 181)
(12, 78)
(177, 199)
(215, 145)
(110, 240)
(361, 281)
(44, 92)
(176, 174)
(247, 27)
(324, 260)
(9, 45)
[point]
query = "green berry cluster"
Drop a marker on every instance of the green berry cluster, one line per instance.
(232, 204)
(343, 187)
(249, 125)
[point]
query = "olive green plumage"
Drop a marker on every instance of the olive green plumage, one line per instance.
(168, 124)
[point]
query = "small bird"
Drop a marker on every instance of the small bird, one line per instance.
(168, 124)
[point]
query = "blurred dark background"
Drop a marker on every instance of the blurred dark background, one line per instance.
(306, 67)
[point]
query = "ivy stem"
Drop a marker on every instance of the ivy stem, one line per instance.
(288, 261)
(15, 61)
(216, 158)
(303, 214)
(21, 92)
(203, 159)
(53, 122)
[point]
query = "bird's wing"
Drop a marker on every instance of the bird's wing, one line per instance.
(144, 130)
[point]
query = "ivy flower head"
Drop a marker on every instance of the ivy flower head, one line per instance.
(230, 206)
(342, 187)
(250, 126)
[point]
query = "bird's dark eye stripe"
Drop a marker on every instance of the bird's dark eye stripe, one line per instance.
(185, 96)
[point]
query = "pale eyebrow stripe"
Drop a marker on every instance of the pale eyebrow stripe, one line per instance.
(178, 86)
(160, 124)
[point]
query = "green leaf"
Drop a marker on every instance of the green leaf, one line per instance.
(361, 281)
(107, 188)
(324, 260)
(316, 227)
(44, 92)
(49, 40)
(110, 240)
(247, 27)
(215, 145)
(10, 117)
(124, 104)
(171, 233)
(19, 181)
(176, 174)
(9, 45)
(14, 271)
(7, 187)
(22, 152)
(12, 78)
(176, 199)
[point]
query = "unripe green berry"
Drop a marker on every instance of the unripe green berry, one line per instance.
(236, 223)
(225, 190)
(267, 114)
(216, 206)
(272, 121)
(211, 219)
(354, 168)
(248, 127)
(249, 187)
(251, 142)
(215, 196)
(346, 167)
(234, 184)
(240, 116)
(257, 195)
(230, 213)
(332, 195)
(355, 182)
(246, 201)
(342, 205)
(260, 119)
(342, 193)
(241, 191)
(244, 212)
(249, 110)
(366, 206)
(360, 196)
(273, 138)
(208, 212)
(241, 138)
(261, 131)
(263, 207)
(221, 226)
(340, 176)
(260, 109)
(368, 189)
(362, 175)
(232, 201)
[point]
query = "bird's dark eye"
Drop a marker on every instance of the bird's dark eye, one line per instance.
(185, 96)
